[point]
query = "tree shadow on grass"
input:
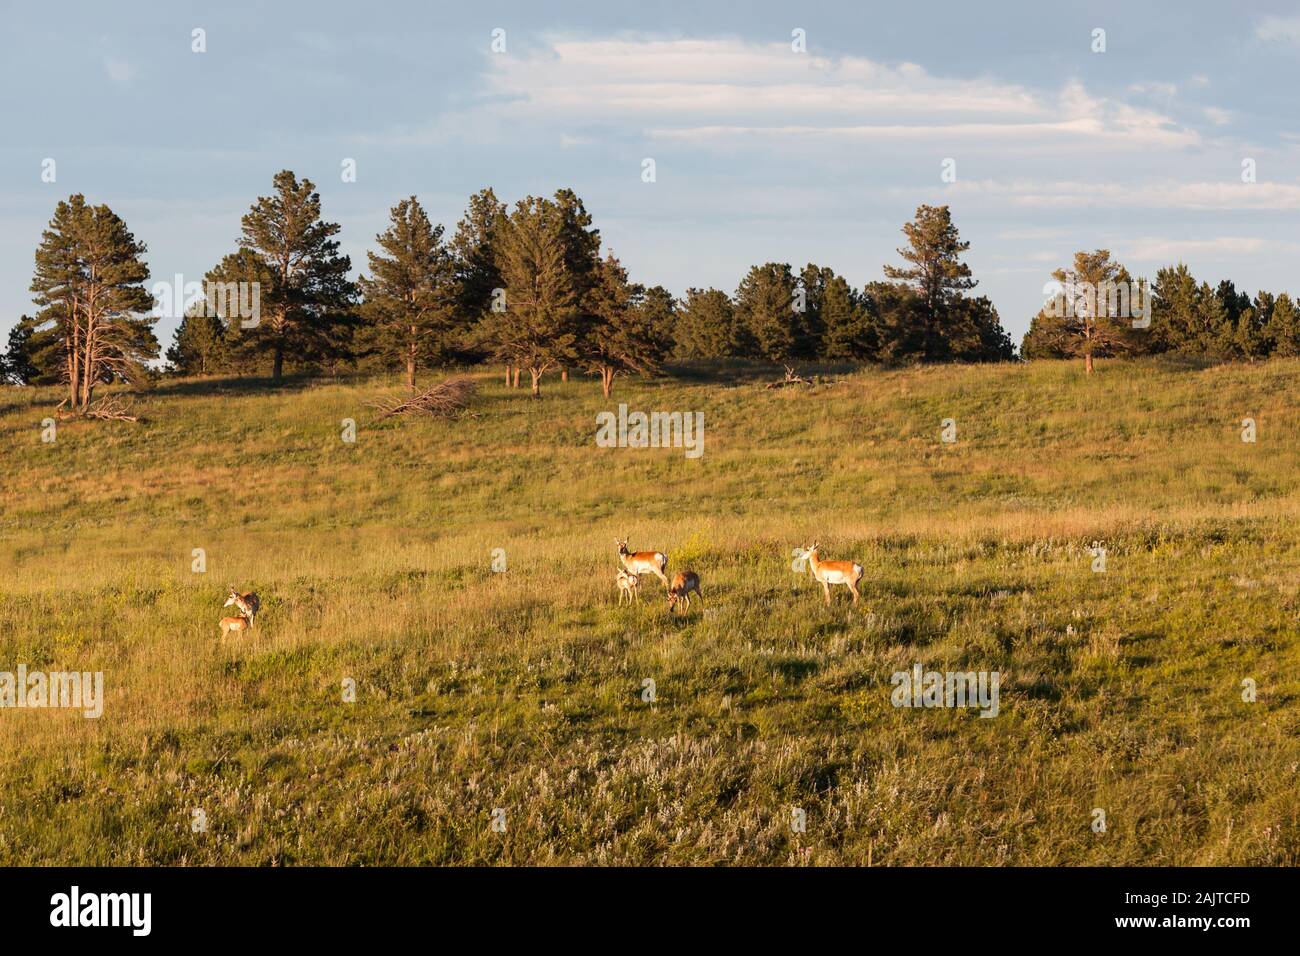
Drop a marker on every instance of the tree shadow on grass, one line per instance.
(795, 670)
(233, 385)
(992, 592)
(747, 372)
(8, 407)
(1178, 362)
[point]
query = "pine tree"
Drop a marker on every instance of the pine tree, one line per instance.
(1093, 322)
(622, 337)
(307, 312)
(89, 281)
(765, 311)
(658, 307)
(56, 288)
(808, 323)
(581, 258)
(1046, 337)
(706, 326)
(1175, 322)
(199, 344)
(242, 349)
(538, 328)
(1213, 329)
(1249, 341)
(897, 310)
(1263, 307)
(581, 242)
(474, 251)
(15, 364)
(938, 276)
(411, 294)
(1242, 334)
(34, 354)
(849, 329)
(1284, 327)
(982, 337)
(13, 360)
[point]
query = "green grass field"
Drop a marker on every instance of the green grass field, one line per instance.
(523, 690)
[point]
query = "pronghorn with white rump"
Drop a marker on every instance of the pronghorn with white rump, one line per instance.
(642, 562)
(833, 572)
(248, 604)
(627, 586)
(231, 625)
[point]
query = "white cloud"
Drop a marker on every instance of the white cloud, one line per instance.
(1161, 195)
(119, 71)
(1279, 29)
(1036, 233)
(1050, 256)
(1166, 90)
(722, 89)
(1163, 249)
(658, 78)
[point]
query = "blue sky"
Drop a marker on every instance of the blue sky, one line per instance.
(761, 153)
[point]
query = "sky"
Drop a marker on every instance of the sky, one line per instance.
(762, 151)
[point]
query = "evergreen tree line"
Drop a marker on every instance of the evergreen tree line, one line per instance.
(779, 314)
(1177, 314)
(526, 287)
(529, 288)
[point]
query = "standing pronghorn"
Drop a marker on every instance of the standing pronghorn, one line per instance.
(834, 572)
(627, 585)
(639, 562)
(231, 624)
(684, 582)
(248, 604)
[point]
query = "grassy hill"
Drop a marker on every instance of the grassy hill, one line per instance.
(523, 690)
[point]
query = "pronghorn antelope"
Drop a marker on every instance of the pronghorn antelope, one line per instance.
(834, 572)
(684, 582)
(639, 562)
(232, 624)
(248, 604)
(627, 585)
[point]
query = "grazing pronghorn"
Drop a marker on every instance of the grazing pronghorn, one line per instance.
(639, 562)
(684, 582)
(248, 604)
(834, 572)
(232, 624)
(627, 585)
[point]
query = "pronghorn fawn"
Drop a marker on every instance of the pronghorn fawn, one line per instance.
(627, 586)
(233, 625)
(684, 582)
(834, 572)
(248, 604)
(641, 562)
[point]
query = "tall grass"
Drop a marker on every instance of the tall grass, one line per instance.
(523, 690)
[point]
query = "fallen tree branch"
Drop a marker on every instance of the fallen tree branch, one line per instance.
(106, 409)
(110, 409)
(444, 400)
